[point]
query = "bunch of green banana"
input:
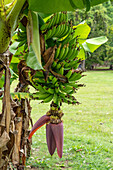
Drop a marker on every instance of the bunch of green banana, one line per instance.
(55, 19)
(66, 52)
(71, 63)
(39, 74)
(75, 76)
(64, 64)
(22, 38)
(69, 99)
(67, 90)
(58, 31)
(45, 97)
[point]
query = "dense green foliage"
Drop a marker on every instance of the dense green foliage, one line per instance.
(100, 19)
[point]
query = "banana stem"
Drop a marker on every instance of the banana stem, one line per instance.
(12, 17)
(8, 24)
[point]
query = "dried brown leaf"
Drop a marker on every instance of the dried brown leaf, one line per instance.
(50, 60)
(4, 139)
(42, 43)
(59, 76)
(2, 162)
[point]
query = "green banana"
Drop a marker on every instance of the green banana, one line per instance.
(72, 77)
(56, 89)
(56, 84)
(65, 16)
(56, 99)
(40, 96)
(39, 74)
(75, 63)
(57, 18)
(54, 80)
(62, 95)
(66, 90)
(50, 77)
(65, 100)
(61, 17)
(57, 52)
(76, 66)
(71, 64)
(54, 63)
(62, 30)
(74, 54)
(61, 71)
(62, 52)
(53, 31)
(70, 30)
(44, 26)
(67, 39)
(48, 34)
(39, 80)
(68, 75)
(69, 99)
(22, 34)
(58, 30)
(26, 47)
(70, 52)
(48, 90)
(48, 99)
(38, 87)
(75, 76)
(66, 52)
(21, 39)
(65, 31)
(58, 66)
(22, 43)
(72, 42)
(51, 21)
(74, 85)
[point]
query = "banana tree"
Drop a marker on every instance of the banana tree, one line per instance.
(34, 52)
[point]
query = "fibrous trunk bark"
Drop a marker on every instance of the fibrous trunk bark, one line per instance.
(14, 123)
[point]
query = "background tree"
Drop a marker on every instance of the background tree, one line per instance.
(100, 19)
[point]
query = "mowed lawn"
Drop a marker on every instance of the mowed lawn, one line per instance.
(88, 128)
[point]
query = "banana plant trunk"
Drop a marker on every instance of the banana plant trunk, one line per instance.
(14, 122)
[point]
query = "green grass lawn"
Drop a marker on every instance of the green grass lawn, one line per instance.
(88, 128)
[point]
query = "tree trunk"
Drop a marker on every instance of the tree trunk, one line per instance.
(83, 65)
(14, 123)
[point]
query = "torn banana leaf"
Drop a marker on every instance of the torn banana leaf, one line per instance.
(33, 38)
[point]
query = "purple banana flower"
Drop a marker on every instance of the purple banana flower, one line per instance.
(54, 134)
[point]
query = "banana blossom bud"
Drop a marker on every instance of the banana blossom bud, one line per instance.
(54, 134)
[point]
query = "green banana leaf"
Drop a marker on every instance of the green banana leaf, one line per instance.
(81, 54)
(52, 6)
(34, 56)
(32, 60)
(13, 47)
(92, 44)
(82, 30)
